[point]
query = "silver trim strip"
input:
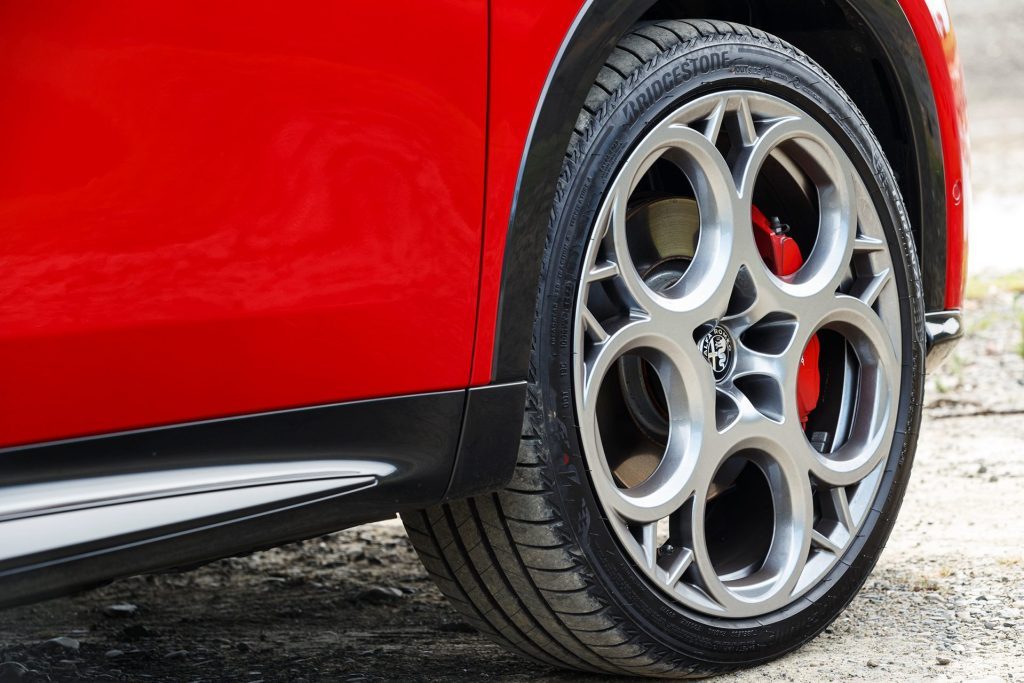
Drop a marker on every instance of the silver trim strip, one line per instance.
(32, 500)
(33, 535)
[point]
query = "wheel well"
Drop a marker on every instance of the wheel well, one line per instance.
(836, 37)
(867, 45)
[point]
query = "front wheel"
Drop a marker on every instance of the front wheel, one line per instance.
(725, 376)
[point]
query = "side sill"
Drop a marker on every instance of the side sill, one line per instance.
(27, 542)
(944, 330)
(81, 512)
(43, 500)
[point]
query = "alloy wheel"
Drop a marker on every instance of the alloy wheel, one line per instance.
(725, 494)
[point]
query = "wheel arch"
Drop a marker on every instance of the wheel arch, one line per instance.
(868, 46)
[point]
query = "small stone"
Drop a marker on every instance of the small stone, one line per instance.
(61, 644)
(380, 594)
(943, 661)
(137, 631)
(121, 609)
(982, 469)
(111, 654)
(872, 664)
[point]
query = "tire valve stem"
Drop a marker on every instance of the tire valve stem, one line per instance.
(666, 549)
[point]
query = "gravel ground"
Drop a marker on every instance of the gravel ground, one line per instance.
(945, 602)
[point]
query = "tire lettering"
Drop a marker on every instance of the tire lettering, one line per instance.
(656, 90)
(681, 73)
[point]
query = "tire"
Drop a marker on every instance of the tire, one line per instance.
(551, 567)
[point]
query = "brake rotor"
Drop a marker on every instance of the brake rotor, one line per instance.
(673, 227)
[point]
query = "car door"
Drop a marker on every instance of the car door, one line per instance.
(212, 209)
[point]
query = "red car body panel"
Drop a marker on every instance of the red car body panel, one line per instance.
(934, 31)
(517, 81)
(198, 222)
(214, 209)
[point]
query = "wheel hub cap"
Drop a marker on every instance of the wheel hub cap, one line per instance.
(717, 348)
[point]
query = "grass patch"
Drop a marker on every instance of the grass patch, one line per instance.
(1020, 345)
(981, 287)
(986, 321)
(925, 584)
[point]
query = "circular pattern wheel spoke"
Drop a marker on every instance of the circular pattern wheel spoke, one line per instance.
(702, 284)
(746, 588)
(689, 347)
(873, 409)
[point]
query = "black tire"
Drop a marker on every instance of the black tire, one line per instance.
(535, 567)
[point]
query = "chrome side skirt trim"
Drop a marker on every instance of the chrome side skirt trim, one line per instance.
(36, 518)
(30, 500)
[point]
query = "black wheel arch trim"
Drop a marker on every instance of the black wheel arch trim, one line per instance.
(593, 35)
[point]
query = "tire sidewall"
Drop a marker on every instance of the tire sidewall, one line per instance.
(686, 72)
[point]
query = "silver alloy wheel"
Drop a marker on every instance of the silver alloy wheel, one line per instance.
(738, 421)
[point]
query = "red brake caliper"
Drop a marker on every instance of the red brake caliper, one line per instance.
(782, 255)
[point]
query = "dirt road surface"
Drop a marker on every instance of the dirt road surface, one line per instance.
(946, 601)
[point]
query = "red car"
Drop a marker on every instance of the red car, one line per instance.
(625, 306)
